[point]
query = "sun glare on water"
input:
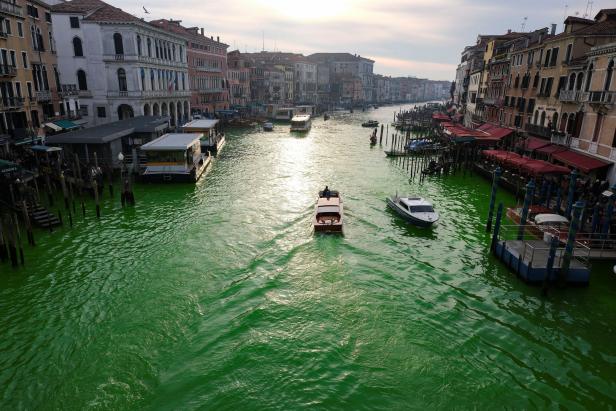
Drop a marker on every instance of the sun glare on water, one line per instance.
(307, 10)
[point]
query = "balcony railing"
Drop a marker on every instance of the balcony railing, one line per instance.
(561, 139)
(67, 90)
(11, 8)
(6, 70)
(43, 95)
(569, 96)
(143, 59)
(12, 102)
(602, 97)
(600, 150)
(538, 130)
(209, 69)
(148, 93)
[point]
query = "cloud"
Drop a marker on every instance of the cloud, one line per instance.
(424, 37)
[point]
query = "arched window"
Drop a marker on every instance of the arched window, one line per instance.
(118, 44)
(571, 81)
(579, 82)
(138, 45)
(82, 83)
(173, 51)
(554, 121)
(536, 80)
(542, 119)
(122, 80)
(34, 38)
(589, 78)
(536, 117)
(149, 43)
(563, 122)
(608, 76)
(142, 78)
(77, 47)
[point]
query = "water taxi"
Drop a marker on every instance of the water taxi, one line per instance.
(370, 123)
(175, 158)
(415, 210)
(213, 139)
(268, 126)
(301, 122)
(328, 213)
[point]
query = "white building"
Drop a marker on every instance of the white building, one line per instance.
(305, 78)
(120, 65)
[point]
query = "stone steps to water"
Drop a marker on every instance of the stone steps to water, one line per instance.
(41, 217)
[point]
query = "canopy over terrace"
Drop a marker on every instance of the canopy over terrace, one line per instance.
(533, 143)
(524, 164)
(585, 164)
(485, 134)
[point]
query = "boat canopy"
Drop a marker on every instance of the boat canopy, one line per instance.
(172, 142)
(301, 118)
(328, 209)
(550, 219)
(203, 124)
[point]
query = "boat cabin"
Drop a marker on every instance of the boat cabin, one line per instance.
(416, 205)
(213, 138)
(175, 157)
(301, 123)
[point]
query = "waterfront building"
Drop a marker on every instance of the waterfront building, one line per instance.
(132, 67)
(382, 89)
(238, 74)
(28, 71)
(341, 67)
(207, 67)
(305, 78)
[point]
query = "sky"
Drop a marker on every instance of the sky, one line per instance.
(422, 38)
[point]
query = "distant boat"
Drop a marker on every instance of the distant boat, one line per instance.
(325, 117)
(370, 123)
(302, 122)
(415, 210)
(268, 126)
(328, 213)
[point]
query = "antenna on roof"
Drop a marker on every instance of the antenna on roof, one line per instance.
(524, 24)
(263, 38)
(588, 9)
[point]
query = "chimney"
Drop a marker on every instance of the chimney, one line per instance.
(553, 31)
(202, 31)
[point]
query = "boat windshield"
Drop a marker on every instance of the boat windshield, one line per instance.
(421, 209)
(328, 210)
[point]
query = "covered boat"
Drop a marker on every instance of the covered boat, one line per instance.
(301, 122)
(415, 210)
(268, 126)
(175, 158)
(328, 213)
(370, 123)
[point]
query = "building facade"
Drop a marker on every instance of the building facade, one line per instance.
(132, 67)
(207, 67)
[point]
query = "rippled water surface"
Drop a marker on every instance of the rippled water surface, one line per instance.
(219, 296)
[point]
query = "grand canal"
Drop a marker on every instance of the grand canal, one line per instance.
(219, 296)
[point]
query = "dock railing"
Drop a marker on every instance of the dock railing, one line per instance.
(536, 243)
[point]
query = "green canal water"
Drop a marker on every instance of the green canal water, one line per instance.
(219, 296)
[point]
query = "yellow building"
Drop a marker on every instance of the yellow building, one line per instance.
(28, 78)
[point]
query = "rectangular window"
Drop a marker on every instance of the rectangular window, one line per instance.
(18, 89)
(598, 124)
(554, 56)
(7, 26)
(74, 22)
(548, 86)
(568, 53)
(24, 59)
(13, 59)
(20, 29)
(29, 87)
(48, 17)
(100, 112)
(32, 11)
(83, 111)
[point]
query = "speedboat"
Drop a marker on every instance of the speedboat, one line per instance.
(268, 126)
(370, 123)
(328, 213)
(415, 210)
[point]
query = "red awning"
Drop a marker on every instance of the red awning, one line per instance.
(516, 161)
(584, 163)
(495, 132)
(440, 117)
(540, 167)
(551, 149)
(533, 144)
(503, 155)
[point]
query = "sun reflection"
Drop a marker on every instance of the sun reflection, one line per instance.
(308, 10)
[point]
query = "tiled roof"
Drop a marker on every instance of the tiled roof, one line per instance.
(77, 6)
(333, 57)
(109, 13)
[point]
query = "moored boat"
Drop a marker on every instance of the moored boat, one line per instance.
(370, 123)
(328, 213)
(415, 210)
(268, 126)
(301, 122)
(175, 158)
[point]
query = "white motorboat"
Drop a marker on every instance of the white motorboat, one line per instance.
(268, 126)
(415, 210)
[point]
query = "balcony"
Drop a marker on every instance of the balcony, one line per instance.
(602, 97)
(208, 69)
(43, 95)
(496, 102)
(68, 90)
(599, 150)
(11, 102)
(7, 71)
(538, 130)
(10, 8)
(561, 139)
(570, 96)
(138, 94)
(121, 58)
